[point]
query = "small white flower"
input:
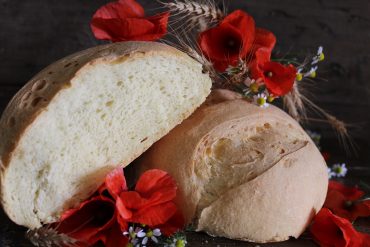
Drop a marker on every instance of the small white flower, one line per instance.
(340, 170)
(145, 241)
(141, 234)
(311, 72)
(260, 100)
(331, 174)
(320, 50)
(249, 81)
(131, 232)
(157, 232)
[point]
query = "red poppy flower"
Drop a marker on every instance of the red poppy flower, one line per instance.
(125, 20)
(91, 222)
(230, 40)
(278, 78)
(103, 219)
(236, 37)
(329, 230)
(152, 202)
(345, 201)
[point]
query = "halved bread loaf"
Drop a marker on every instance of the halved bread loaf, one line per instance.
(86, 114)
(244, 172)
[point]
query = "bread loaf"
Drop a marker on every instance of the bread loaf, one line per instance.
(86, 114)
(243, 172)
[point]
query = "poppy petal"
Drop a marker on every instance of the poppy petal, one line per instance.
(264, 39)
(351, 193)
(365, 240)
(335, 201)
(115, 182)
(115, 237)
(89, 220)
(282, 79)
(133, 200)
(173, 225)
(231, 40)
(246, 26)
(157, 184)
(124, 212)
(361, 209)
(156, 215)
(330, 230)
(262, 56)
(119, 10)
(125, 21)
(221, 44)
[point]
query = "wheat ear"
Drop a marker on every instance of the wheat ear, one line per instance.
(47, 236)
(194, 13)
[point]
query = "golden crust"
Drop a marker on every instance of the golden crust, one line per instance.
(236, 204)
(35, 96)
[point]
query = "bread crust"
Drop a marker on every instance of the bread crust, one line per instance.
(29, 103)
(245, 211)
(35, 96)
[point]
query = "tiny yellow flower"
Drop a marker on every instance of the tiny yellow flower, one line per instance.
(321, 57)
(299, 77)
(180, 243)
(270, 98)
(254, 87)
(149, 234)
(313, 74)
(261, 101)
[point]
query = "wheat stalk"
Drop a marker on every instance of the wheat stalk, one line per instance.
(184, 43)
(294, 104)
(48, 237)
(194, 13)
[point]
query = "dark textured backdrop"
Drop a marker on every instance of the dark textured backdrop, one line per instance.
(34, 33)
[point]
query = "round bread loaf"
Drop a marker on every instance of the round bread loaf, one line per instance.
(243, 172)
(85, 115)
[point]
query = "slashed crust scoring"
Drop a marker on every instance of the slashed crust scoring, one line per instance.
(244, 172)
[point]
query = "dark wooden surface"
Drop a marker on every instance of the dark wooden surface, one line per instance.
(34, 33)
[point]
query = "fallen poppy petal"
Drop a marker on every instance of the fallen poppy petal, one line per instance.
(330, 230)
(345, 201)
(361, 209)
(336, 202)
(115, 182)
(89, 220)
(351, 193)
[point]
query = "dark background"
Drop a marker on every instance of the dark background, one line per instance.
(35, 33)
